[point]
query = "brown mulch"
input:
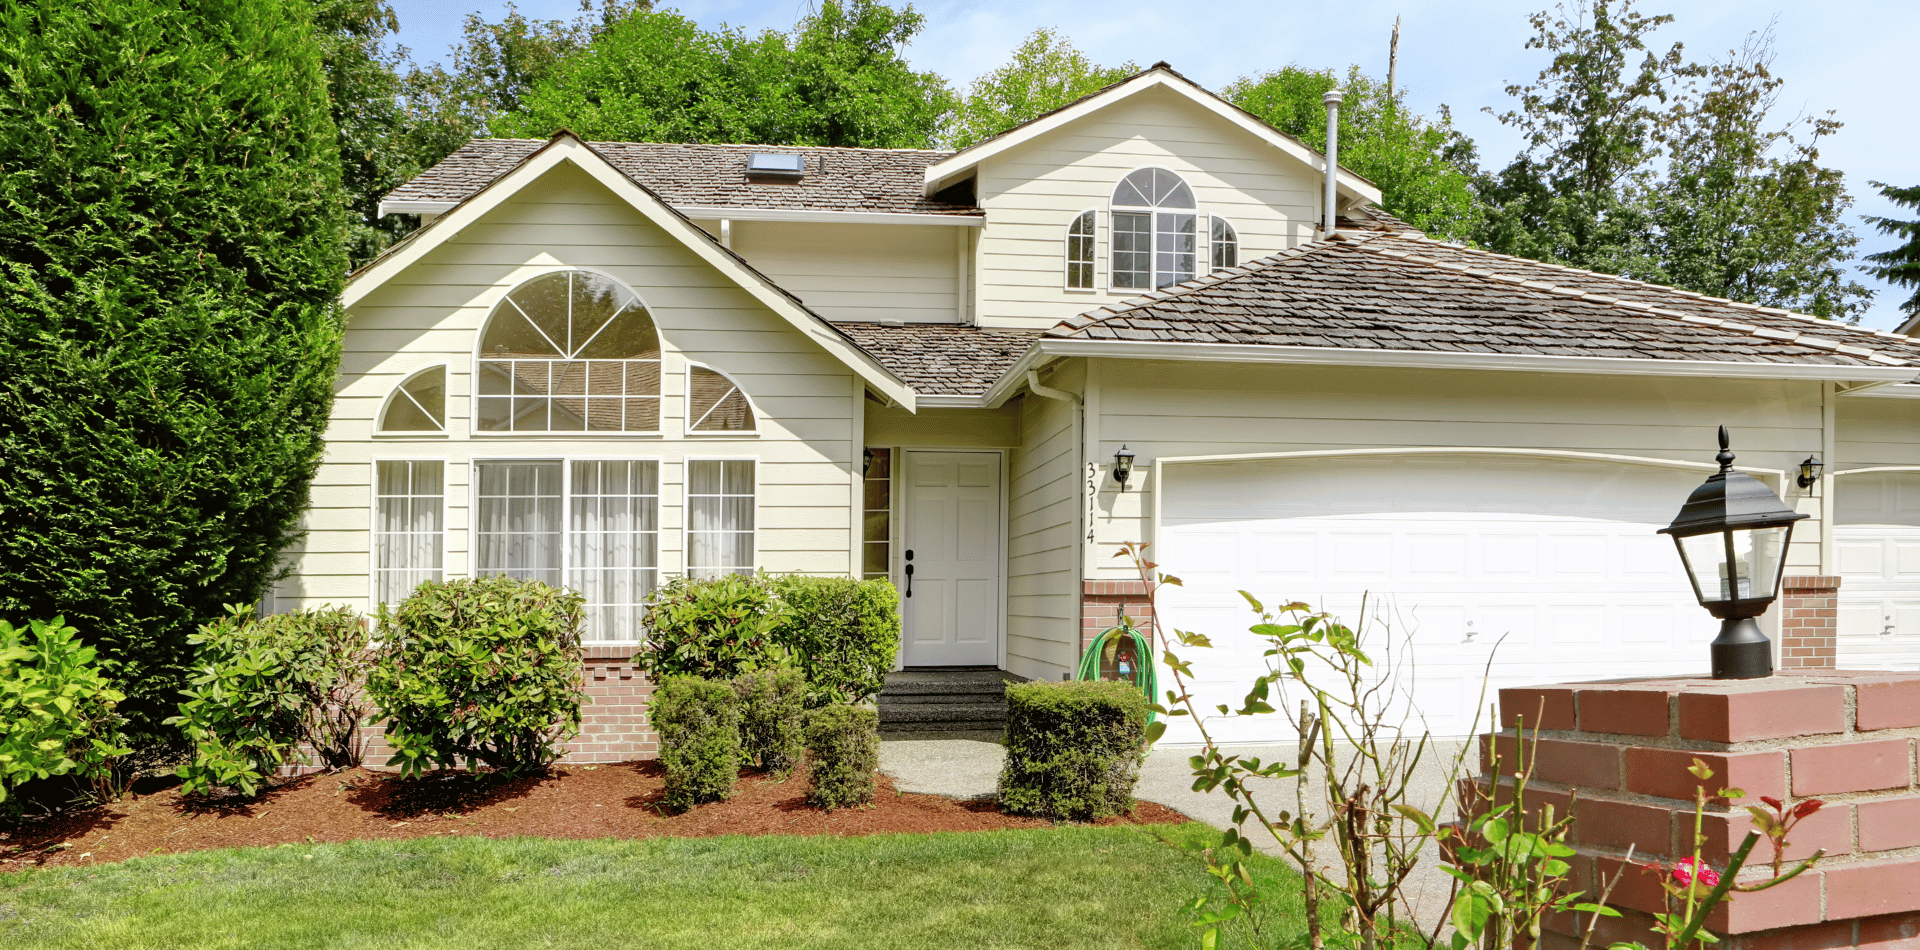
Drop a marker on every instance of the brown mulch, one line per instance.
(580, 801)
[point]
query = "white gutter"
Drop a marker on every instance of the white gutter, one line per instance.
(1033, 385)
(415, 206)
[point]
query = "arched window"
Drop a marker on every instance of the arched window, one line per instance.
(1225, 244)
(419, 404)
(569, 351)
(1154, 245)
(715, 403)
(1080, 252)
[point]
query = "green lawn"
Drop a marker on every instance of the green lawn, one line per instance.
(1054, 889)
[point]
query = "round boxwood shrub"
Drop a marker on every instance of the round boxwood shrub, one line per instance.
(1073, 749)
(844, 742)
(698, 720)
(481, 670)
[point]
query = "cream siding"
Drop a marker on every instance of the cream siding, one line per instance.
(1043, 575)
(808, 442)
(858, 271)
(1874, 432)
(1032, 192)
(943, 428)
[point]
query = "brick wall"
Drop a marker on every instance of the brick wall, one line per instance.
(1809, 611)
(1616, 754)
(1103, 602)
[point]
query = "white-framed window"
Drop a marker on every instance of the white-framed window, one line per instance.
(409, 526)
(715, 403)
(1224, 243)
(720, 515)
(1080, 243)
(568, 351)
(1154, 239)
(876, 523)
(592, 525)
(418, 404)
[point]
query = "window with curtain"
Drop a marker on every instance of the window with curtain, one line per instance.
(720, 517)
(1080, 252)
(409, 504)
(569, 351)
(1225, 244)
(715, 404)
(1155, 246)
(588, 524)
(419, 404)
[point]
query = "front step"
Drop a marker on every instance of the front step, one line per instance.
(952, 700)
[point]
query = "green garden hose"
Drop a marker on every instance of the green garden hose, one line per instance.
(1122, 652)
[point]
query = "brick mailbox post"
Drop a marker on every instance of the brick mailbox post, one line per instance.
(1617, 754)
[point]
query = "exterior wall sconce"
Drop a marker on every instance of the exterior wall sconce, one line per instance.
(866, 462)
(1122, 467)
(1810, 472)
(1732, 535)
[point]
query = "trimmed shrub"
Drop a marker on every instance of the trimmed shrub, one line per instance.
(169, 319)
(844, 742)
(480, 670)
(265, 687)
(773, 721)
(1073, 749)
(716, 628)
(699, 724)
(845, 631)
(57, 714)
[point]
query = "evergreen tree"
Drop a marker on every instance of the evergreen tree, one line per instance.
(1900, 265)
(171, 226)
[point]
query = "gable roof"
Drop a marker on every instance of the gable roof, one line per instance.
(1158, 76)
(871, 180)
(943, 359)
(565, 147)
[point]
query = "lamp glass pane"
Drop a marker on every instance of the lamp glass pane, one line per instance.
(1752, 572)
(1759, 553)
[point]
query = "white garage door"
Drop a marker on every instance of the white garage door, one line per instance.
(1453, 553)
(1876, 535)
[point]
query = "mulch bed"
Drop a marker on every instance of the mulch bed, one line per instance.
(581, 801)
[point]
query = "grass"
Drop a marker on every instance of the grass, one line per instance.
(1061, 889)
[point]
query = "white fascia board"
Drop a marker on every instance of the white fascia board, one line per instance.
(1899, 390)
(706, 213)
(943, 172)
(703, 245)
(429, 206)
(938, 401)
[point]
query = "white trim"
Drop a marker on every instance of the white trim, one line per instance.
(479, 334)
(1875, 468)
(567, 147)
(1883, 391)
(686, 505)
(380, 415)
(704, 212)
(952, 402)
(752, 406)
(954, 166)
(373, 521)
(421, 206)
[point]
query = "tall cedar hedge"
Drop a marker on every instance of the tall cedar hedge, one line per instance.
(170, 233)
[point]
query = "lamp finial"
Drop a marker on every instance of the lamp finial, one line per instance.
(1725, 458)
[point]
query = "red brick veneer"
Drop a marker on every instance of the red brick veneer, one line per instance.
(1809, 611)
(1103, 602)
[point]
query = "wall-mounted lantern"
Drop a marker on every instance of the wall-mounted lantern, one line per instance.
(1810, 471)
(1122, 467)
(1732, 535)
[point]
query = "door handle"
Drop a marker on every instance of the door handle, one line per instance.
(909, 572)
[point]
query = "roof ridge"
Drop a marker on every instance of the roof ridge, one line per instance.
(1590, 297)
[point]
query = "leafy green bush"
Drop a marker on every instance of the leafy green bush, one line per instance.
(267, 686)
(1073, 749)
(173, 260)
(699, 725)
(479, 670)
(57, 711)
(846, 633)
(844, 742)
(716, 628)
(773, 714)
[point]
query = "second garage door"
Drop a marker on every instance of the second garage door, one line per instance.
(1557, 560)
(1876, 535)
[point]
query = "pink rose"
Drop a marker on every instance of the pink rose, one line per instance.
(1684, 873)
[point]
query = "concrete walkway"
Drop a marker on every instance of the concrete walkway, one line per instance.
(969, 767)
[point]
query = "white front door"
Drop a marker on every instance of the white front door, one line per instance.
(1876, 535)
(951, 560)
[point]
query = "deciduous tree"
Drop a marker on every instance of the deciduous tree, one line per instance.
(1044, 73)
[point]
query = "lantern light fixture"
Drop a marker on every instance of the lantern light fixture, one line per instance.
(1732, 535)
(1122, 466)
(1810, 471)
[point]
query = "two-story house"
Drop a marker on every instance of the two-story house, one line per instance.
(600, 364)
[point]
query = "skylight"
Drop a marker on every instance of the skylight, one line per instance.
(776, 165)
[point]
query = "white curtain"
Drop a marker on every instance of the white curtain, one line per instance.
(408, 522)
(517, 526)
(613, 543)
(720, 523)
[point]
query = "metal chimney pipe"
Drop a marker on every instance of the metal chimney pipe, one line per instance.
(1332, 99)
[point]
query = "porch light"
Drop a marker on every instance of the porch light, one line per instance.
(1122, 467)
(1809, 472)
(1732, 535)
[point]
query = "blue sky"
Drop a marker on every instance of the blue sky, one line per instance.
(1853, 56)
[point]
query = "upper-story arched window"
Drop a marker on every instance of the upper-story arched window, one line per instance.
(419, 404)
(570, 351)
(1080, 252)
(1224, 242)
(1153, 230)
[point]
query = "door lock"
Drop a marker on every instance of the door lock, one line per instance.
(909, 572)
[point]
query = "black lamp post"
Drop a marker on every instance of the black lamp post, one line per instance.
(1732, 534)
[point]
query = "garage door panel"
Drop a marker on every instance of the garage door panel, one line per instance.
(1877, 552)
(1578, 558)
(1436, 557)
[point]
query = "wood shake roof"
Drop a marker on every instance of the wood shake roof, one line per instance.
(942, 359)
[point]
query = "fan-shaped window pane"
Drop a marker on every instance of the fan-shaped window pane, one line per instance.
(715, 404)
(570, 351)
(419, 404)
(1153, 188)
(1225, 244)
(1080, 252)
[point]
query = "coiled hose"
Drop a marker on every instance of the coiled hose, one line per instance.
(1122, 652)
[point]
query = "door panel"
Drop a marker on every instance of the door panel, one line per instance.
(1876, 538)
(953, 530)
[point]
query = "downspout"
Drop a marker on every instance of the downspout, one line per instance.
(1332, 99)
(1033, 383)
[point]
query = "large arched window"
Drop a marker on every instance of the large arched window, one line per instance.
(1153, 230)
(570, 351)
(1080, 252)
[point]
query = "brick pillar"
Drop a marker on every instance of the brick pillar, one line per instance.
(614, 725)
(1617, 753)
(1809, 608)
(1102, 603)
